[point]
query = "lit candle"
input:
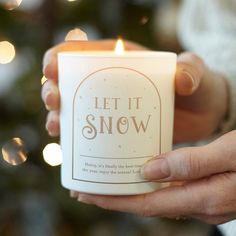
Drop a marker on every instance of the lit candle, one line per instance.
(116, 114)
(119, 49)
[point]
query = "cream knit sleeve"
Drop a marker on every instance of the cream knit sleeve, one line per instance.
(208, 28)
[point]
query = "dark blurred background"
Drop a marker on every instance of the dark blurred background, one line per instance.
(32, 201)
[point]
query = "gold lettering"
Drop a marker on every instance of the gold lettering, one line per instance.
(134, 103)
(104, 124)
(130, 102)
(96, 103)
(122, 121)
(138, 102)
(106, 104)
(89, 131)
(115, 103)
(141, 125)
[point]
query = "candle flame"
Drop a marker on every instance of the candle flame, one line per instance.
(119, 49)
(43, 80)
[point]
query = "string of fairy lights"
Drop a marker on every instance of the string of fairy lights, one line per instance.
(13, 151)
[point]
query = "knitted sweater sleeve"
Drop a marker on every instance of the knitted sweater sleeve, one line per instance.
(208, 28)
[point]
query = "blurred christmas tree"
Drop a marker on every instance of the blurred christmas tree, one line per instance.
(32, 201)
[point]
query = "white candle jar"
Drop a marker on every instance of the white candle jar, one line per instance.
(116, 114)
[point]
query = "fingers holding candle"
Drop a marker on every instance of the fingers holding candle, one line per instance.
(167, 202)
(50, 95)
(204, 199)
(207, 172)
(52, 124)
(190, 163)
(51, 98)
(76, 40)
(196, 108)
(190, 69)
(50, 92)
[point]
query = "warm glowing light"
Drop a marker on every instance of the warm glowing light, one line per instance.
(14, 152)
(7, 52)
(144, 20)
(52, 154)
(72, 0)
(76, 34)
(12, 4)
(119, 49)
(43, 80)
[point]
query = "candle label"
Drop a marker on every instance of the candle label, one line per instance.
(116, 126)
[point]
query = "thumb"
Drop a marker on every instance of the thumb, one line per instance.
(191, 163)
(190, 69)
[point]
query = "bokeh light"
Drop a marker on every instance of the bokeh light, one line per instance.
(52, 154)
(7, 52)
(76, 34)
(144, 20)
(43, 80)
(11, 4)
(30, 5)
(14, 152)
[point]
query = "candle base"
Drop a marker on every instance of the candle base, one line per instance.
(112, 189)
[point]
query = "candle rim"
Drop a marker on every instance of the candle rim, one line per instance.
(109, 53)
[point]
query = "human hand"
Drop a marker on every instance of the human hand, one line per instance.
(198, 111)
(205, 187)
(196, 89)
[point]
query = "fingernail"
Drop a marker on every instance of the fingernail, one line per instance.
(48, 108)
(156, 169)
(76, 35)
(51, 98)
(46, 61)
(52, 124)
(48, 99)
(193, 81)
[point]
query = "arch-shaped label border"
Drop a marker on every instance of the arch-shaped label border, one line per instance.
(74, 99)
